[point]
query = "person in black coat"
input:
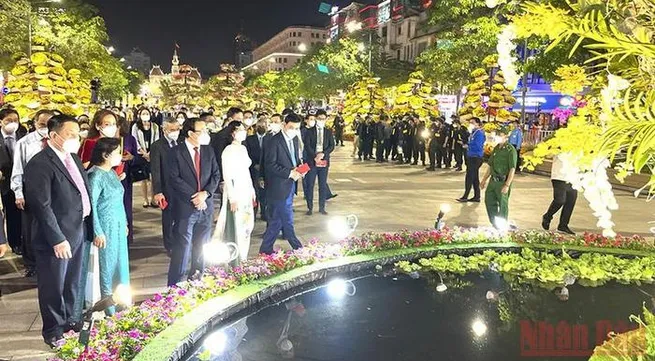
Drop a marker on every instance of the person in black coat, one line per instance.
(57, 193)
(161, 183)
(433, 146)
(282, 157)
(408, 135)
(10, 134)
(194, 176)
(378, 135)
(460, 140)
(396, 138)
(338, 125)
(318, 145)
(254, 145)
(419, 142)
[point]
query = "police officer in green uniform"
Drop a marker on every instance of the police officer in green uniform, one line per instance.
(500, 174)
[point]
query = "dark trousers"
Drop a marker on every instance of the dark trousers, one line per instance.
(419, 152)
(13, 217)
(167, 226)
(459, 156)
(447, 156)
(408, 149)
(60, 288)
(473, 165)
(191, 233)
(338, 137)
(28, 223)
(369, 148)
(387, 148)
(518, 158)
(434, 153)
(394, 148)
(564, 197)
(280, 219)
(363, 147)
(379, 150)
(261, 201)
(323, 190)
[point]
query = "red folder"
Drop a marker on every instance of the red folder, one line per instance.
(163, 204)
(303, 168)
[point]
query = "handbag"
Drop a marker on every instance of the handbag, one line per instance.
(139, 169)
(92, 290)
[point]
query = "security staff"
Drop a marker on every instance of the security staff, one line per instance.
(419, 142)
(502, 167)
(461, 139)
(409, 131)
(434, 143)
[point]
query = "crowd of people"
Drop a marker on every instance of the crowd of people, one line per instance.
(67, 185)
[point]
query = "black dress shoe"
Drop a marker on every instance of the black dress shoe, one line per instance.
(29, 273)
(332, 196)
(17, 251)
(430, 169)
(53, 340)
(462, 200)
(74, 326)
(458, 169)
(474, 200)
(566, 230)
(323, 212)
(545, 223)
(309, 212)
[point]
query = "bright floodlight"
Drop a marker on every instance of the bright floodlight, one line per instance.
(342, 227)
(302, 47)
(354, 26)
(445, 208)
(479, 328)
(441, 287)
(216, 343)
(220, 252)
(337, 288)
(361, 47)
(501, 224)
(122, 295)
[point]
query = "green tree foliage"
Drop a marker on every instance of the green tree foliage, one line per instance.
(13, 27)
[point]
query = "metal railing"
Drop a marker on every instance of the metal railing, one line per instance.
(535, 136)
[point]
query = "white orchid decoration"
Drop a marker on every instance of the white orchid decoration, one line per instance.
(506, 59)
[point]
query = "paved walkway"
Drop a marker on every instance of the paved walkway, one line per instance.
(385, 198)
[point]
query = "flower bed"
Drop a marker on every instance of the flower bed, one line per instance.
(123, 336)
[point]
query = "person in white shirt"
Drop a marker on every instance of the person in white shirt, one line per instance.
(26, 148)
(564, 198)
(237, 216)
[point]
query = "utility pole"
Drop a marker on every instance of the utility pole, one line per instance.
(524, 88)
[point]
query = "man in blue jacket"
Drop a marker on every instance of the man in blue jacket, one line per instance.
(474, 154)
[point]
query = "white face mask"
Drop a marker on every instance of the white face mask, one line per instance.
(311, 123)
(321, 123)
(204, 139)
(109, 131)
(173, 135)
(70, 145)
(42, 132)
(240, 136)
(248, 121)
(274, 127)
(145, 117)
(292, 133)
(11, 128)
(181, 120)
(116, 160)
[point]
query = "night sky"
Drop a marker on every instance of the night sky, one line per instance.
(204, 29)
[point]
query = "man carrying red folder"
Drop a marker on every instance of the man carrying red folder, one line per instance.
(284, 168)
(319, 144)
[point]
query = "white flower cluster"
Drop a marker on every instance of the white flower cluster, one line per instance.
(506, 60)
(609, 96)
(596, 188)
(492, 3)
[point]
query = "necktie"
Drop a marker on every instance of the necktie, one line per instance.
(260, 141)
(74, 172)
(320, 138)
(293, 153)
(173, 143)
(10, 145)
(44, 143)
(196, 162)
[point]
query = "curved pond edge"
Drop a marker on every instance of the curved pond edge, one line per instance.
(175, 341)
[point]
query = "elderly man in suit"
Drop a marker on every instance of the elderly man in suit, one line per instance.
(57, 194)
(319, 144)
(254, 145)
(161, 187)
(194, 176)
(282, 158)
(10, 134)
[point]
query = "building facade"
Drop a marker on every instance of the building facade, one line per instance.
(243, 48)
(138, 60)
(180, 74)
(286, 48)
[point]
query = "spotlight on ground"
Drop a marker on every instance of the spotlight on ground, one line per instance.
(216, 343)
(338, 288)
(439, 222)
(479, 328)
(220, 252)
(441, 287)
(501, 224)
(342, 227)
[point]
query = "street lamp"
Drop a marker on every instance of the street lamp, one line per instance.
(110, 49)
(302, 47)
(354, 26)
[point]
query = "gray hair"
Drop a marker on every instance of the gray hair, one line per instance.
(168, 119)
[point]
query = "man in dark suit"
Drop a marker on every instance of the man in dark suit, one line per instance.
(338, 125)
(282, 157)
(254, 146)
(194, 175)
(10, 135)
(57, 194)
(274, 127)
(161, 183)
(318, 145)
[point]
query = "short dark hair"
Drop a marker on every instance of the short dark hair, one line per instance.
(277, 115)
(476, 120)
(232, 111)
(204, 116)
(321, 112)
(6, 111)
(232, 126)
(286, 112)
(141, 110)
(183, 114)
(189, 126)
(292, 118)
(57, 122)
(103, 147)
(41, 112)
(248, 112)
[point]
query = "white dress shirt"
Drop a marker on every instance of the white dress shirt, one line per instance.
(191, 149)
(25, 149)
(319, 139)
(557, 171)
